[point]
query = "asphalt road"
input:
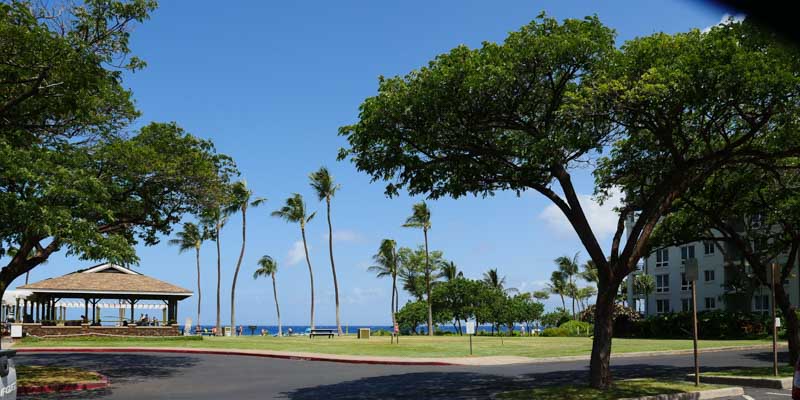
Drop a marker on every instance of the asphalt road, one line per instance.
(197, 377)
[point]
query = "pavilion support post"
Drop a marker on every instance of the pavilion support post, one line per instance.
(85, 309)
(172, 307)
(133, 317)
(38, 312)
(25, 310)
(164, 316)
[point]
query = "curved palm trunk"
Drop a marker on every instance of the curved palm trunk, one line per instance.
(310, 272)
(199, 293)
(563, 303)
(277, 307)
(428, 284)
(238, 265)
(219, 280)
(333, 267)
(392, 305)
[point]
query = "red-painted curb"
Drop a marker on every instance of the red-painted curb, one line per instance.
(66, 387)
(229, 353)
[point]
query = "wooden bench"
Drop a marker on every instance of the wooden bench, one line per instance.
(322, 332)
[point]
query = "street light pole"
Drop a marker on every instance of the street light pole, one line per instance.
(694, 333)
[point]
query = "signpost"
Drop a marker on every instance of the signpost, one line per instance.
(470, 332)
(396, 332)
(692, 273)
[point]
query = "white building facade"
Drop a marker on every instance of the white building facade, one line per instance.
(673, 293)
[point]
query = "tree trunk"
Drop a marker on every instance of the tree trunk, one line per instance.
(277, 307)
(199, 293)
(333, 267)
(599, 365)
(428, 284)
(788, 310)
(238, 265)
(219, 279)
(563, 303)
(310, 272)
(394, 318)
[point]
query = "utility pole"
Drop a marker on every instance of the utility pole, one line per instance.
(774, 325)
(692, 272)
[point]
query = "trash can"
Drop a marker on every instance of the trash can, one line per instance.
(363, 333)
(8, 375)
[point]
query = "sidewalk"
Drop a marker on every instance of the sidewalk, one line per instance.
(364, 359)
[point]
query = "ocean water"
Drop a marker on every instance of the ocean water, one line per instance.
(255, 330)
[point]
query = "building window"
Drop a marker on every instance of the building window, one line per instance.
(711, 303)
(686, 252)
(662, 283)
(686, 305)
(662, 306)
(662, 258)
(709, 275)
(709, 248)
(684, 283)
(761, 302)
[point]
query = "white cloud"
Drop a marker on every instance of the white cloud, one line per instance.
(296, 253)
(602, 218)
(345, 235)
(726, 19)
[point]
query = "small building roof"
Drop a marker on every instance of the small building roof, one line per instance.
(107, 281)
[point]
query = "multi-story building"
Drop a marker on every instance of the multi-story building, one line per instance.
(719, 272)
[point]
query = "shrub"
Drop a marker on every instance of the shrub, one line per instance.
(710, 325)
(556, 318)
(555, 332)
(578, 328)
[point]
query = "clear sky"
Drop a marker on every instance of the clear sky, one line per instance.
(270, 82)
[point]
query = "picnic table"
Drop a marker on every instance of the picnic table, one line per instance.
(321, 332)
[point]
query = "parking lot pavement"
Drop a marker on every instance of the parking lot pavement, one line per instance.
(766, 394)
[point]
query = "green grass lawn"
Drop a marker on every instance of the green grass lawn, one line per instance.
(620, 390)
(784, 371)
(410, 346)
(32, 375)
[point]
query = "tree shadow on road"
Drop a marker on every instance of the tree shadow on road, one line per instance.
(118, 367)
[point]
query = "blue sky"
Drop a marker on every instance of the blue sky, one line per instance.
(270, 83)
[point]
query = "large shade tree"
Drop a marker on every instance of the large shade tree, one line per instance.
(325, 187)
(668, 110)
(241, 199)
(294, 211)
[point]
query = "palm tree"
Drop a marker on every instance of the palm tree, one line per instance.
(644, 285)
(589, 273)
(493, 279)
(421, 219)
(241, 199)
(190, 238)
(295, 212)
(569, 267)
(268, 267)
(450, 272)
(213, 220)
(558, 285)
(323, 184)
(584, 294)
(387, 265)
(541, 295)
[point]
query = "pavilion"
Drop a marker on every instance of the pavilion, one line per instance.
(91, 289)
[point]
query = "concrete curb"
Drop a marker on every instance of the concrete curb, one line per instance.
(102, 383)
(699, 395)
(230, 353)
(752, 381)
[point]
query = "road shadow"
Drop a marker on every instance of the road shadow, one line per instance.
(466, 385)
(128, 368)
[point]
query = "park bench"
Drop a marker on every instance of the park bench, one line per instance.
(322, 332)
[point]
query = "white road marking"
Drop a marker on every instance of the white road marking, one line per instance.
(746, 397)
(779, 394)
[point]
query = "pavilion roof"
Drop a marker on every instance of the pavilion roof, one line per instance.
(106, 280)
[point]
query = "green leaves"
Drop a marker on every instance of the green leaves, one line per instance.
(476, 121)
